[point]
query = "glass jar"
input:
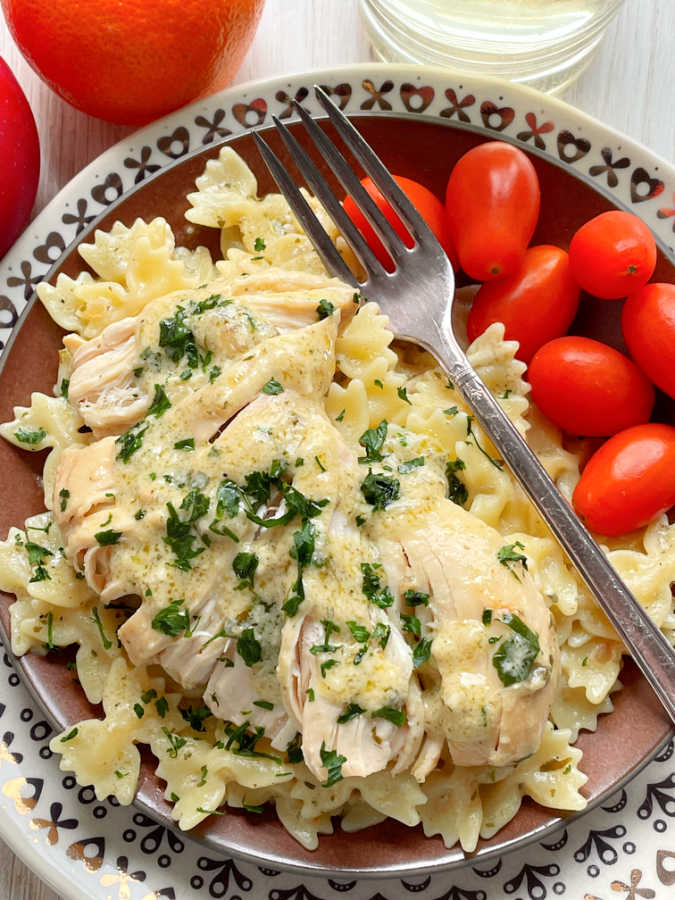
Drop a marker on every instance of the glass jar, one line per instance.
(542, 43)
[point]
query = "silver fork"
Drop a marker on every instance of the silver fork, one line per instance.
(418, 299)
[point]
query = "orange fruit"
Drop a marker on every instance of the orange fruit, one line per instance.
(130, 61)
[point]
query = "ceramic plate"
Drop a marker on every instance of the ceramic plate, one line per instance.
(420, 121)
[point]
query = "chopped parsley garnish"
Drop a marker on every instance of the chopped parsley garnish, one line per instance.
(139, 514)
(130, 441)
(359, 632)
(326, 665)
(138, 709)
(395, 716)
(64, 494)
(195, 716)
(106, 538)
(259, 245)
(177, 339)
(149, 695)
(352, 710)
(160, 402)
(381, 633)
(244, 566)
(471, 433)
(302, 551)
(254, 809)
(30, 437)
(380, 490)
(294, 749)
(273, 387)
(242, 742)
(203, 775)
(319, 463)
(486, 618)
(119, 774)
(263, 704)
(179, 535)
(227, 499)
(508, 556)
(378, 383)
(457, 490)
(372, 441)
(175, 742)
(248, 647)
(50, 632)
(514, 658)
(107, 643)
(71, 734)
(421, 653)
(214, 372)
(328, 628)
(185, 444)
(332, 761)
(372, 587)
(411, 464)
(162, 707)
(63, 388)
(403, 394)
(310, 695)
(416, 598)
(340, 416)
(36, 557)
(325, 309)
(172, 620)
(411, 624)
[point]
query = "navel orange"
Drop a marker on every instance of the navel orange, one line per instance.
(130, 61)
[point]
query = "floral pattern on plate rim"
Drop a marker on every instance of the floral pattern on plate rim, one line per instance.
(91, 849)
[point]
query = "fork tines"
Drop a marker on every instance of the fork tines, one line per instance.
(350, 182)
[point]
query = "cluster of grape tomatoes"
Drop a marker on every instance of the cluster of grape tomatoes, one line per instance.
(586, 387)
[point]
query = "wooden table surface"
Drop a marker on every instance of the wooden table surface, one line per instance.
(630, 85)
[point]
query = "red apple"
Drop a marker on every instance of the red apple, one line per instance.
(19, 159)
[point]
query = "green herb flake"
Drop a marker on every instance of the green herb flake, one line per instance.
(395, 716)
(214, 372)
(160, 402)
(457, 490)
(244, 565)
(273, 387)
(325, 309)
(107, 538)
(380, 490)
(50, 632)
(259, 245)
(487, 617)
(175, 742)
(340, 416)
(107, 643)
(411, 624)
(63, 388)
(310, 695)
(381, 634)
(326, 665)
(162, 707)
(421, 653)
(416, 598)
(372, 441)
(332, 761)
(351, 711)
(405, 467)
(515, 657)
(359, 632)
(508, 556)
(186, 444)
(248, 647)
(372, 586)
(172, 620)
(138, 709)
(64, 494)
(195, 716)
(71, 734)
(403, 394)
(263, 704)
(149, 695)
(26, 436)
(294, 749)
(130, 442)
(471, 433)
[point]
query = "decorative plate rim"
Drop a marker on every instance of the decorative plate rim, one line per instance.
(112, 157)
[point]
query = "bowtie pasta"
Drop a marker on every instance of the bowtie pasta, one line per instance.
(288, 555)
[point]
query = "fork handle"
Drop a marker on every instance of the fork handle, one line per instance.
(648, 646)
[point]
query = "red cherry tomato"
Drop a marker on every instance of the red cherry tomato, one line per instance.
(19, 159)
(629, 481)
(536, 304)
(648, 323)
(613, 255)
(588, 388)
(428, 206)
(492, 204)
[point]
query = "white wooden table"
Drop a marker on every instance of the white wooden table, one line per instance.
(629, 85)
